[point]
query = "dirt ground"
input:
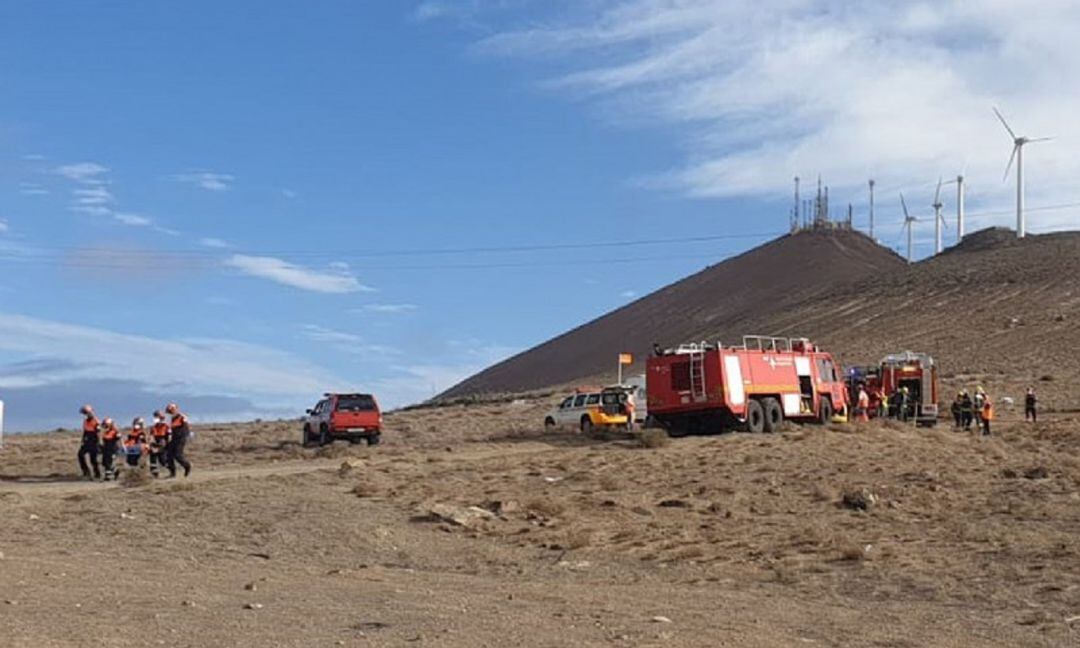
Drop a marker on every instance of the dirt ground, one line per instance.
(474, 527)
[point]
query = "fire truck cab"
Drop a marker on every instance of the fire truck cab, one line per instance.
(707, 387)
(915, 372)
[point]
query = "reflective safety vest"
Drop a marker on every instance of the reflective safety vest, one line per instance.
(90, 425)
(160, 430)
(110, 433)
(135, 437)
(988, 410)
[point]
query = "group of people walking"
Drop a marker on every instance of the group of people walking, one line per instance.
(163, 444)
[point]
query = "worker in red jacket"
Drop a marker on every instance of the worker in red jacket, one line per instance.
(159, 442)
(135, 443)
(110, 442)
(178, 439)
(91, 443)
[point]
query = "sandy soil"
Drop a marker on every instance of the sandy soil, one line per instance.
(873, 536)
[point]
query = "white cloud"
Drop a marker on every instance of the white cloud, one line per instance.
(334, 280)
(346, 342)
(224, 366)
(211, 242)
(3, 226)
(431, 10)
(92, 196)
(386, 308)
(416, 383)
(32, 189)
(83, 172)
(761, 92)
(93, 210)
(33, 157)
(288, 193)
(628, 294)
(206, 180)
(133, 220)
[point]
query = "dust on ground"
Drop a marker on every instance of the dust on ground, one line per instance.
(472, 526)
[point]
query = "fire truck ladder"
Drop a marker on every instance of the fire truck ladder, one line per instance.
(697, 375)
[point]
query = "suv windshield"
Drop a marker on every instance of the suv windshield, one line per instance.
(356, 403)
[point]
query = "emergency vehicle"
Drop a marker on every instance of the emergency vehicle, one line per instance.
(915, 372)
(590, 407)
(707, 387)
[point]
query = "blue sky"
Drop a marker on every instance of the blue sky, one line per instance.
(239, 206)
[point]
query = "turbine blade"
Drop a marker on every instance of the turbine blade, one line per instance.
(1008, 166)
(904, 205)
(1004, 123)
(1040, 139)
(937, 193)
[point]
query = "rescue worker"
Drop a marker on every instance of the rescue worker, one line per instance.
(967, 410)
(1029, 405)
(91, 443)
(987, 414)
(862, 408)
(903, 404)
(110, 442)
(177, 441)
(135, 443)
(159, 442)
(980, 400)
(958, 410)
(883, 404)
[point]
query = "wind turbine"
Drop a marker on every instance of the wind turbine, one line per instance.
(938, 220)
(959, 182)
(1018, 154)
(908, 220)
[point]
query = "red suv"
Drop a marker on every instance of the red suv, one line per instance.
(355, 417)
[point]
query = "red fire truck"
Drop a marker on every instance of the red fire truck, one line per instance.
(915, 372)
(704, 388)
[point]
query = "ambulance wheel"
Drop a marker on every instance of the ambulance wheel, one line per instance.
(826, 412)
(755, 417)
(774, 415)
(586, 425)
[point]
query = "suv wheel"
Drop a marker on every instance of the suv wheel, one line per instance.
(586, 425)
(549, 424)
(324, 436)
(374, 439)
(307, 436)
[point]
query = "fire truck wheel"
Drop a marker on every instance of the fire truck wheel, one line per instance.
(825, 411)
(755, 417)
(586, 425)
(774, 415)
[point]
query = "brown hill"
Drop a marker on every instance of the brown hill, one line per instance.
(763, 282)
(992, 310)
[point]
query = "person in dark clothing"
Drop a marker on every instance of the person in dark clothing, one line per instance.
(656, 350)
(967, 410)
(904, 404)
(1029, 405)
(957, 411)
(90, 443)
(110, 442)
(180, 434)
(159, 443)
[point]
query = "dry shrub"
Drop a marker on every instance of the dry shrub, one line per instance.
(365, 489)
(653, 438)
(136, 478)
(858, 499)
(182, 487)
(548, 508)
(577, 539)
(851, 552)
(825, 493)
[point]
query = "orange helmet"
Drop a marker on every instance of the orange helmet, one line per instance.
(171, 408)
(86, 410)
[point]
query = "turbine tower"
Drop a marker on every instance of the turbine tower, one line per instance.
(871, 208)
(908, 220)
(959, 182)
(1018, 155)
(938, 220)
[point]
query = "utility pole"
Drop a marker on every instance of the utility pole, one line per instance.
(872, 209)
(959, 208)
(849, 216)
(795, 217)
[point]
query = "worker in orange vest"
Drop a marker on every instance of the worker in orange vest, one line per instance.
(987, 414)
(159, 442)
(862, 410)
(177, 441)
(110, 442)
(91, 443)
(135, 443)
